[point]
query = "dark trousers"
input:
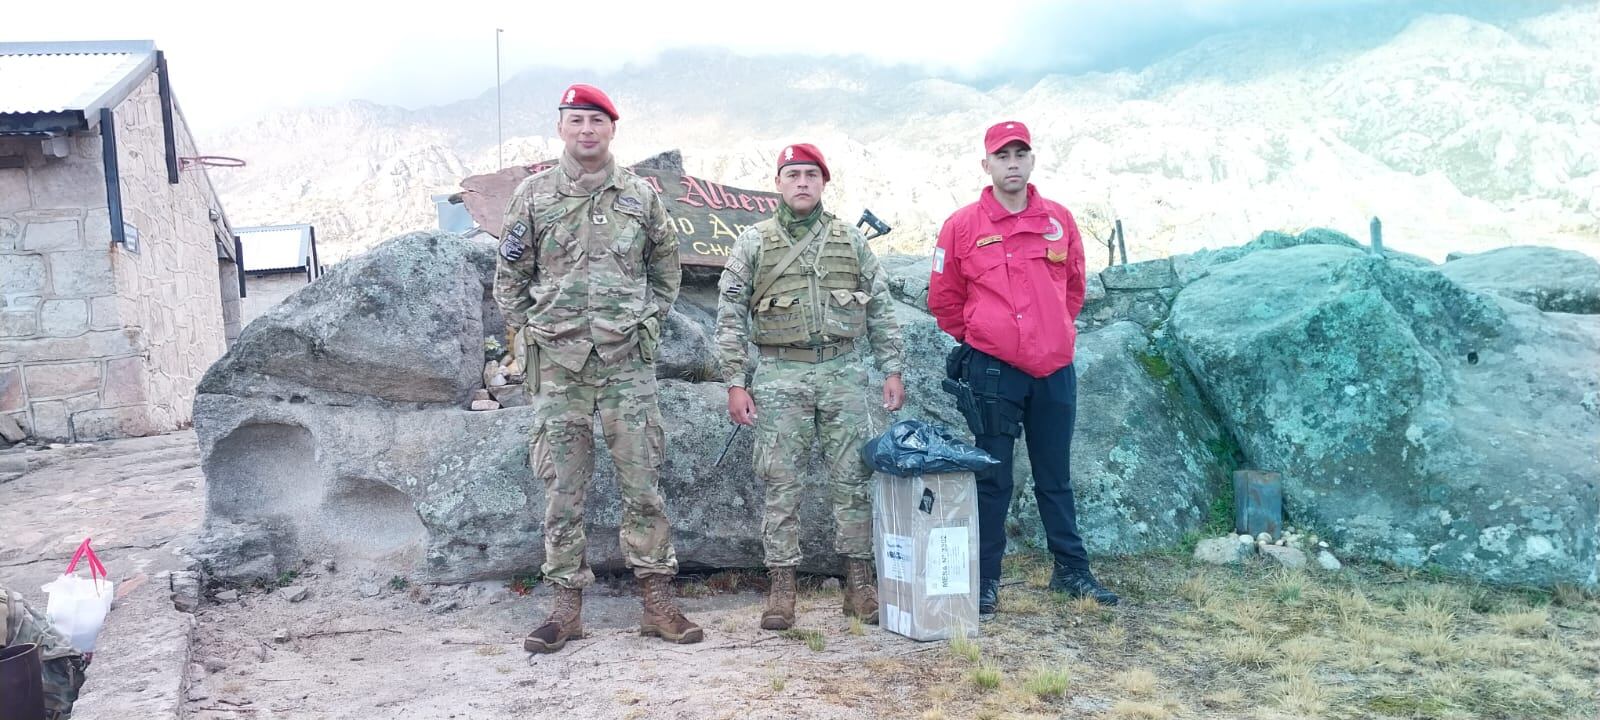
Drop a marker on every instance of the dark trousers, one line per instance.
(1046, 409)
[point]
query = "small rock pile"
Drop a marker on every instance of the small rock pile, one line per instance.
(1290, 549)
(503, 373)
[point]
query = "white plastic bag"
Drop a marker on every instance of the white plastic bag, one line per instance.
(77, 606)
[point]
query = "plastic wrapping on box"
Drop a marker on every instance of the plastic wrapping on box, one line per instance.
(913, 447)
(925, 537)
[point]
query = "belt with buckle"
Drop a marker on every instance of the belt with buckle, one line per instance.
(821, 353)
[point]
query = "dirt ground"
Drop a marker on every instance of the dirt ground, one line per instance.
(1190, 641)
(455, 652)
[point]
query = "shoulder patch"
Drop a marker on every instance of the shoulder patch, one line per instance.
(518, 230)
(1056, 230)
(511, 248)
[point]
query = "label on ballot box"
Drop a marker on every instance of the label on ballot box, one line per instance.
(925, 535)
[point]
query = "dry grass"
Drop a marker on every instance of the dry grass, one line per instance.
(1255, 641)
(1025, 602)
(1048, 683)
(856, 627)
(985, 677)
(1139, 683)
(1225, 699)
(1109, 636)
(1088, 609)
(1528, 623)
(1431, 611)
(1246, 650)
(811, 637)
(1196, 589)
(965, 648)
(1132, 710)
(1288, 587)
(1298, 693)
(1305, 650)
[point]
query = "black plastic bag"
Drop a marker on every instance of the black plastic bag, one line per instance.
(913, 447)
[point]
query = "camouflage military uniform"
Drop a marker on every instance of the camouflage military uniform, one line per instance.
(592, 276)
(831, 294)
(21, 624)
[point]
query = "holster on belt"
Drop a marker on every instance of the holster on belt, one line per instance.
(955, 383)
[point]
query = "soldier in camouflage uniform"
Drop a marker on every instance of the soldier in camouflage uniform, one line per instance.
(588, 269)
(802, 286)
(21, 624)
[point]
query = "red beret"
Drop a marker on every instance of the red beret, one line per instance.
(803, 154)
(1005, 132)
(588, 97)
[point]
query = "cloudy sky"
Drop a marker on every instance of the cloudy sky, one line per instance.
(231, 61)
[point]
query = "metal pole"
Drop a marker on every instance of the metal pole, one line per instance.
(499, 126)
(1121, 244)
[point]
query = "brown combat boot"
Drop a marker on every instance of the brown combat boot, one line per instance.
(779, 614)
(565, 623)
(861, 591)
(661, 616)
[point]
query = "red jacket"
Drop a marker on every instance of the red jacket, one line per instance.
(1010, 284)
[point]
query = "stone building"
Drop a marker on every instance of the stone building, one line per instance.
(277, 260)
(118, 279)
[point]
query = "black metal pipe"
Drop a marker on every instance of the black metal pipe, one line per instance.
(238, 263)
(108, 153)
(167, 130)
(315, 263)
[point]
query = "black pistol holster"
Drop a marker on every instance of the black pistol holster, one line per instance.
(987, 409)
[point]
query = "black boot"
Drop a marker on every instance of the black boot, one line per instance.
(1080, 583)
(988, 599)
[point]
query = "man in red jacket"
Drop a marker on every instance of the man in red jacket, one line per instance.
(1007, 283)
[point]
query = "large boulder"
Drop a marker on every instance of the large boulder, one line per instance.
(404, 323)
(446, 494)
(1413, 421)
(335, 426)
(1146, 460)
(1547, 278)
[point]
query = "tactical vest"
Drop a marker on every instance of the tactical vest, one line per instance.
(811, 302)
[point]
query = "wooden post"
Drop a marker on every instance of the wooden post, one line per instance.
(1120, 243)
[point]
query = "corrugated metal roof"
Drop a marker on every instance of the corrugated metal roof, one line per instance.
(275, 247)
(54, 77)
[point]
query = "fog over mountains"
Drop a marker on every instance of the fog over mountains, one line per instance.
(1461, 134)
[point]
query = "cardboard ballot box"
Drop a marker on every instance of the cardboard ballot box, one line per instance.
(925, 536)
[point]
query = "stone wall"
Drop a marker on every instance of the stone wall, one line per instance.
(261, 292)
(169, 291)
(95, 341)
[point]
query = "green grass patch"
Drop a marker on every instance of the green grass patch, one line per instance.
(812, 638)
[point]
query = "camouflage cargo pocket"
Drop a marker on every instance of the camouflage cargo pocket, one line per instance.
(846, 313)
(540, 457)
(655, 439)
(780, 320)
(650, 339)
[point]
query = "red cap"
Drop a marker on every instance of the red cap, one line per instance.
(1001, 133)
(803, 154)
(588, 97)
